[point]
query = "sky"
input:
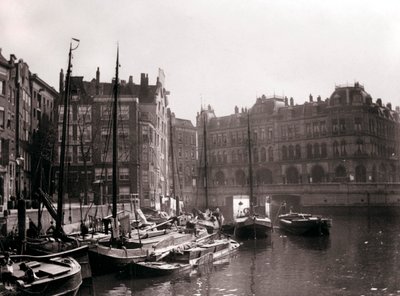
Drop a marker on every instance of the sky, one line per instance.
(223, 53)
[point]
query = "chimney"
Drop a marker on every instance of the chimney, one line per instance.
(236, 109)
(311, 98)
(130, 80)
(144, 80)
(379, 102)
(397, 109)
(61, 82)
(98, 81)
(291, 101)
(389, 106)
(12, 59)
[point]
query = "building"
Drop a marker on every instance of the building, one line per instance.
(26, 107)
(183, 162)
(339, 151)
(142, 140)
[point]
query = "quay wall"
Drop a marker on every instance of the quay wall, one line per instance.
(72, 215)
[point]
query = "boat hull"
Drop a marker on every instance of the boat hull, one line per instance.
(252, 227)
(105, 259)
(305, 225)
(62, 283)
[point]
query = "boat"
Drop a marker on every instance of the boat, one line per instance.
(59, 240)
(304, 224)
(248, 224)
(52, 275)
(183, 257)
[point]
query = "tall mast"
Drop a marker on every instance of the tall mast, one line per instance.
(115, 144)
(250, 164)
(19, 167)
(60, 212)
(173, 165)
(205, 157)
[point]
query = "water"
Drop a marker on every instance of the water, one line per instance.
(360, 257)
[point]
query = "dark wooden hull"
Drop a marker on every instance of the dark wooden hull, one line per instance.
(154, 269)
(252, 227)
(44, 247)
(305, 225)
(105, 259)
(58, 276)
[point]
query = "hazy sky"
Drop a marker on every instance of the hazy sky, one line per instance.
(223, 53)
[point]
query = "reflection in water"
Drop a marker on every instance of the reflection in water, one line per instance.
(360, 257)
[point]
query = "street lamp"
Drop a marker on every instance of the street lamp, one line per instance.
(20, 164)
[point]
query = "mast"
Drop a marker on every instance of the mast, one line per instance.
(250, 164)
(19, 160)
(205, 157)
(115, 144)
(173, 165)
(60, 213)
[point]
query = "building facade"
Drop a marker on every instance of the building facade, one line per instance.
(183, 160)
(310, 150)
(26, 105)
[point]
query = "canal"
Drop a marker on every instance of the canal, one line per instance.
(360, 257)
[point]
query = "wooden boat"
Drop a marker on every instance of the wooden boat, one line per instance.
(181, 260)
(250, 225)
(53, 276)
(304, 224)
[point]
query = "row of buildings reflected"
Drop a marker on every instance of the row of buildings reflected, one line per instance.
(310, 149)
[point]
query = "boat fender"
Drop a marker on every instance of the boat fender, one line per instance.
(246, 211)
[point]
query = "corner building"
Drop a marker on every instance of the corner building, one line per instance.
(340, 151)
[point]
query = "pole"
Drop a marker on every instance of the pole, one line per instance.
(60, 213)
(250, 164)
(205, 158)
(115, 147)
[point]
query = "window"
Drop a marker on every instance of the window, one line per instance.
(87, 155)
(309, 151)
(335, 126)
(2, 87)
(105, 112)
(343, 148)
(342, 125)
(335, 148)
(85, 133)
(124, 174)
(308, 130)
(124, 193)
(123, 112)
(270, 154)
(84, 114)
(357, 124)
(284, 153)
(2, 117)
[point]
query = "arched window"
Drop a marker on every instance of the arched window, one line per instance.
(298, 151)
(233, 156)
(317, 174)
(225, 157)
(360, 146)
(309, 151)
(255, 155)
(292, 175)
(361, 173)
(341, 173)
(263, 155)
(323, 150)
(264, 176)
(291, 152)
(335, 148)
(392, 173)
(220, 178)
(219, 157)
(343, 148)
(382, 177)
(240, 178)
(316, 150)
(270, 154)
(284, 153)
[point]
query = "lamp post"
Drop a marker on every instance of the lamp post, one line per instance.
(21, 205)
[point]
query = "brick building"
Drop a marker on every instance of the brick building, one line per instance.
(308, 151)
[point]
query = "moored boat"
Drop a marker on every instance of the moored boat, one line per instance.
(184, 258)
(304, 224)
(252, 227)
(50, 276)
